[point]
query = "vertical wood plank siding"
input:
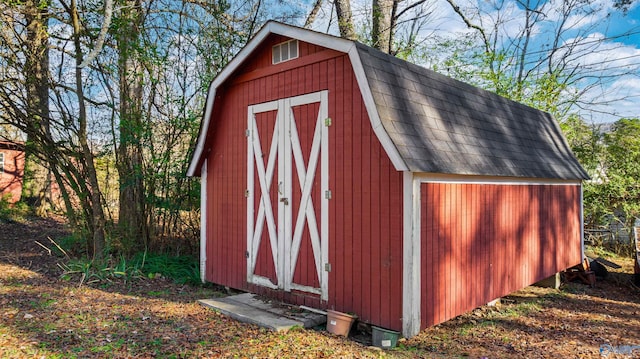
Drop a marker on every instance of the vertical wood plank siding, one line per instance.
(365, 212)
(474, 234)
(12, 173)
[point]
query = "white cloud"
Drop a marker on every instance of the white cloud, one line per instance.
(597, 52)
(619, 100)
(589, 31)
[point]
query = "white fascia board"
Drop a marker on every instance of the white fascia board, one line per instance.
(369, 103)
(270, 27)
(475, 179)
(312, 37)
(202, 136)
(349, 47)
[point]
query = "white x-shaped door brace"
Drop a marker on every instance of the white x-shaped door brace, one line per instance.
(285, 238)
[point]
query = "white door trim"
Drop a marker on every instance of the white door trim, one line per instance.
(285, 236)
(265, 208)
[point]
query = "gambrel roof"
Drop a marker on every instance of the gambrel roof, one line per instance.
(428, 122)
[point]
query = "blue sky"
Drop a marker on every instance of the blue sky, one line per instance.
(630, 22)
(629, 56)
(602, 54)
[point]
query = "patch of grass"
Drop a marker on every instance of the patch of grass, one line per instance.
(466, 329)
(18, 212)
(42, 304)
(487, 323)
(92, 272)
(602, 252)
(13, 282)
(556, 294)
(574, 288)
(158, 293)
(182, 269)
(520, 309)
(108, 347)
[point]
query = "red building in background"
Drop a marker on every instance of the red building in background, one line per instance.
(11, 170)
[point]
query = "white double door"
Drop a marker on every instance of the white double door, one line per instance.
(287, 204)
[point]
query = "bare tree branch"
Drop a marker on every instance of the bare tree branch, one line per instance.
(313, 14)
(467, 22)
(108, 12)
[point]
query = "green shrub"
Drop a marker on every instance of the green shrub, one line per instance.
(13, 213)
(92, 272)
(182, 269)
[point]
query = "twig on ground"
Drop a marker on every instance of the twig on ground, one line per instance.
(43, 246)
(60, 248)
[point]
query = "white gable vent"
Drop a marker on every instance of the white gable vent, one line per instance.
(285, 51)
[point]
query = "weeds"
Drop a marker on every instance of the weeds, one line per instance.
(16, 212)
(93, 272)
(182, 270)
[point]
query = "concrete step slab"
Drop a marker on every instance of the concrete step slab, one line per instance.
(249, 308)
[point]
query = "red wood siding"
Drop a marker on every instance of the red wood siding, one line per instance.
(11, 174)
(365, 212)
(483, 241)
(265, 266)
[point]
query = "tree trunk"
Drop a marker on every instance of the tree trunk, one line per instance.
(381, 29)
(132, 222)
(313, 14)
(345, 20)
(36, 72)
(97, 212)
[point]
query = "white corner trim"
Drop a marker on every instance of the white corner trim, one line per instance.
(581, 222)
(203, 221)
(411, 260)
(369, 103)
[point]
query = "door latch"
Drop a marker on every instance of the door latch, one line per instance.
(284, 200)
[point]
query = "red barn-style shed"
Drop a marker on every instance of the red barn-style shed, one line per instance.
(11, 170)
(337, 176)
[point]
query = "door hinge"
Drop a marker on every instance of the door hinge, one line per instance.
(327, 121)
(247, 133)
(327, 267)
(246, 254)
(327, 194)
(246, 193)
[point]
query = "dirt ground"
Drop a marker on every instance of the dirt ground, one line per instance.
(44, 314)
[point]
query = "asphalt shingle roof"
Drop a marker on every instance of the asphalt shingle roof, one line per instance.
(441, 125)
